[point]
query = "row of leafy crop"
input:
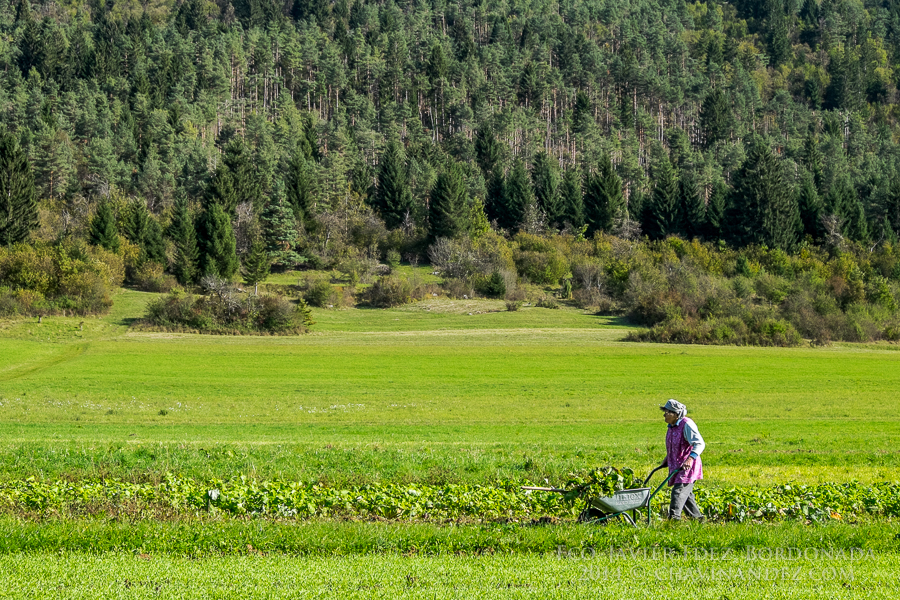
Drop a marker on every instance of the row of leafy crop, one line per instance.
(286, 499)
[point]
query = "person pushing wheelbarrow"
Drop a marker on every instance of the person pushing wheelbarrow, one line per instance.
(684, 445)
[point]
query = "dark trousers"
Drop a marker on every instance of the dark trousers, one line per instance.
(683, 498)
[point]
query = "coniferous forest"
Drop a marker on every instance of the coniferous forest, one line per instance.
(198, 138)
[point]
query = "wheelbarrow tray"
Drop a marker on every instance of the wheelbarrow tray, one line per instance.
(622, 501)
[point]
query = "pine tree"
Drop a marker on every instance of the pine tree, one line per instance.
(693, 208)
(572, 199)
(715, 118)
(393, 199)
(18, 198)
(662, 215)
(280, 234)
(183, 234)
(518, 195)
(764, 210)
(449, 204)
(604, 200)
(545, 178)
(810, 206)
(257, 264)
(103, 228)
(218, 254)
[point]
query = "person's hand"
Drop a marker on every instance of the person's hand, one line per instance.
(688, 464)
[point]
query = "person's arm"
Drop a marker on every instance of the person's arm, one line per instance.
(693, 437)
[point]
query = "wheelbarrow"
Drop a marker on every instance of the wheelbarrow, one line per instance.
(617, 505)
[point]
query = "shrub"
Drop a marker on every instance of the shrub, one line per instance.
(321, 293)
(513, 305)
(275, 313)
(221, 310)
(68, 276)
(730, 330)
(541, 267)
(151, 278)
(458, 288)
(547, 302)
(392, 291)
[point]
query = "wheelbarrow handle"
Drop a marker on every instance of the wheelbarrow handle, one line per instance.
(654, 471)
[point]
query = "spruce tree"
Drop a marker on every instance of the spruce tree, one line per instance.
(813, 159)
(545, 178)
(604, 200)
(857, 226)
(764, 210)
(693, 208)
(496, 197)
(449, 204)
(572, 199)
(143, 230)
(841, 201)
(662, 215)
(256, 265)
(518, 195)
(309, 144)
(488, 151)
(221, 190)
(393, 199)
(280, 234)
(103, 228)
(715, 118)
(244, 175)
(890, 206)
(218, 256)
(18, 198)
(810, 205)
(715, 211)
(299, 192)
(183, 233)
(154, 244)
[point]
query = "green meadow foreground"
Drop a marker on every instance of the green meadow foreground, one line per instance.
(440, 392)
(530, 576)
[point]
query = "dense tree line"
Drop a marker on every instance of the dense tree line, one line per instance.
(200, 134)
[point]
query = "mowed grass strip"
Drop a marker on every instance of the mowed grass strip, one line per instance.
(221, 535)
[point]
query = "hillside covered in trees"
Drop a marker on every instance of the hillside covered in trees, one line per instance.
(212, 138)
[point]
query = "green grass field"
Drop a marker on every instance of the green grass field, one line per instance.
(436, 392)
(431, 392)
(516, 576)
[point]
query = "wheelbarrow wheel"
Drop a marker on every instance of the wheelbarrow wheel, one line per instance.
(591, 514)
